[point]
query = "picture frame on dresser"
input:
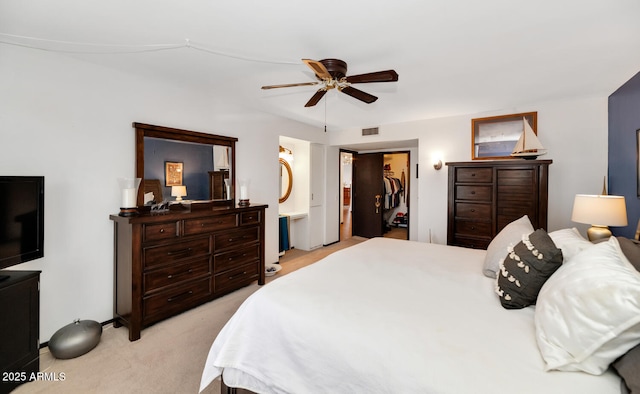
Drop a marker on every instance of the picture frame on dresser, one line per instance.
(495, 137)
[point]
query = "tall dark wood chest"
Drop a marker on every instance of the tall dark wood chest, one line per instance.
(485, 196)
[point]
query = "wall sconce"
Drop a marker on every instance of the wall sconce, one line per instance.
(285, 154)
(437, 160)
(600, 211)
(437, 164)
(129, 190)
(178, 192)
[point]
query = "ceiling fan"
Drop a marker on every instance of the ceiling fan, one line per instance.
(332, 74)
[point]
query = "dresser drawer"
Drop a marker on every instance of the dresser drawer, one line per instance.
(236, 277)
(157, 279)
(233, 238)
(175, 299)
(516, 177)
(473, 211)
(474, 243)
(228, 260)
(481, 175)
(159, 231)
(480, 229)
(208, 224)
(165, 254)
(252, 217)
(474, 192)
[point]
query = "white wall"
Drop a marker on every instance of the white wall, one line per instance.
(71, 122)
(574, 131)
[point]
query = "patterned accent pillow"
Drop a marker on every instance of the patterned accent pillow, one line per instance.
(525, 269)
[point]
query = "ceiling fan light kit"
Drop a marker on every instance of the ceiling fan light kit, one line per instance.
(332, 74)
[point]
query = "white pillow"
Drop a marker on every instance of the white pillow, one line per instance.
(588, 312)
(510, 235)
(570, 241)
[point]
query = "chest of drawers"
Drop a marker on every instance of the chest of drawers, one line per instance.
(165, 264)
(485, 196)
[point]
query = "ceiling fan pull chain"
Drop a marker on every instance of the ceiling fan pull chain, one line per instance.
(325, 115)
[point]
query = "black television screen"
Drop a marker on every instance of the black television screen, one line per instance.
(21, 219)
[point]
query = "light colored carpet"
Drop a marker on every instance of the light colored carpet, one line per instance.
(169, 357)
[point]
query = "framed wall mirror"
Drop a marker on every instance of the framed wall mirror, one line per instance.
(208, 164)
(286, 180)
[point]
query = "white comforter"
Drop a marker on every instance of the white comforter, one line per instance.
(387, 316)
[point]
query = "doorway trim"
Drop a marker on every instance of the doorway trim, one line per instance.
(383, 152)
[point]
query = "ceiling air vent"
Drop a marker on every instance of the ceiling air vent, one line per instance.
(370, 131)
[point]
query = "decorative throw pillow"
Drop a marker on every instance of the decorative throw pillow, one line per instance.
(628, 367)
(570, 241)
(525, 269)
(588, 313)
(510, 235)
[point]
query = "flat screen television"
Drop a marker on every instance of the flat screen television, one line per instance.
(21, 219)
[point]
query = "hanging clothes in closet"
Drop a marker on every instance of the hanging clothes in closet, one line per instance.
(394, 191)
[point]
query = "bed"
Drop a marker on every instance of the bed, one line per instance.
(395, 316)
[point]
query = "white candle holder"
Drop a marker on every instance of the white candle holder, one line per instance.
(129, 192)
(244, 192)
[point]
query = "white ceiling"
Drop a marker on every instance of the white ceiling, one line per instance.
(452, 57)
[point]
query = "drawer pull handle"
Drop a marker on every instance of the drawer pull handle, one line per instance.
(473, 174)
(473, 210)
(230, 239)
(183, 251)
(180, 274)
(162, 230)
(235, 276)
(187, 294)
(473, 192)
(243, 255)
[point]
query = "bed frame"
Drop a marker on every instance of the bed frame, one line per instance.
(224, 389)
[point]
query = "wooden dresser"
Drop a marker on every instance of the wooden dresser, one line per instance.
(485, 196)
(170, 262)
(19, 328)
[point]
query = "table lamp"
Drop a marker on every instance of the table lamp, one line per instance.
(600, 211)
(178, 192)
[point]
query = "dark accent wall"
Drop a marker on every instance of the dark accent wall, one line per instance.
(624, 121)
(197, 159)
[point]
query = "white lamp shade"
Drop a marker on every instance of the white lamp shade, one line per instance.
(601, 210)
(178, 191)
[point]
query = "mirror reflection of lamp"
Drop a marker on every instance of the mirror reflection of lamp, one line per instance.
(178, 192)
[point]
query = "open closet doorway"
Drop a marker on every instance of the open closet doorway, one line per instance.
(378, 195)
(346, 179)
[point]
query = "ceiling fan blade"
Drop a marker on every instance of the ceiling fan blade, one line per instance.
(318, 68)
(316, 98)
(359, 94)
(289, 85)
(379, 76)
